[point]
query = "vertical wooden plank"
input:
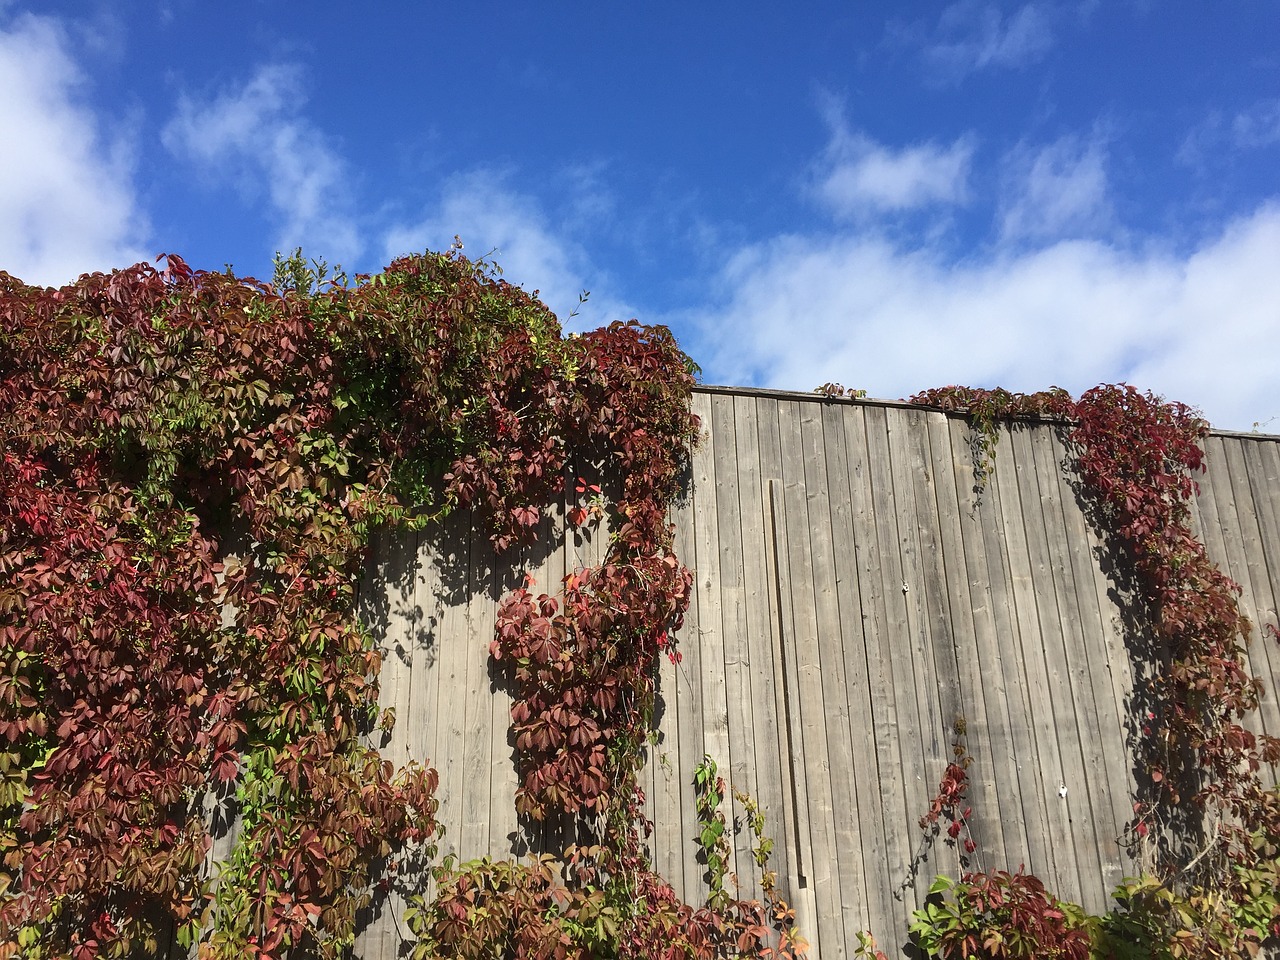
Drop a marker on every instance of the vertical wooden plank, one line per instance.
(907, 472)
(800, 645)
(690, 690)
(822, 669)
(452, 644)
(794, 819)
(1262, 459)
(760, 636)
(706, 528)
(505, 836)
(421, 726)
(681, 723)
(986, 587)
(1038, 629)
(858, 813)
(668, 841)
(1010, 584)
(1088, 803)
(386, 609)
(957, 607)
(935, 629)
(802, 885)
(878, 698)
(738, 762)
(902, 721)
(1229, 538)
(1102, 663)
(473, 701)
(932, 604)
(1265, 657)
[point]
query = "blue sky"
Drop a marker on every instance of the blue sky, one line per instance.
(890, 195)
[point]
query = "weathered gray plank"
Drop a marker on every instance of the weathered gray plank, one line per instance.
(761, 642)
(1100, 661)
(1262, 460)
(957, 606)
(894, 830)
(1088, 802)
(1233, 559)
(859, 813)
(1262, 609)
(903, 689)
(933, 602)
(695, 739)
(739, 762)
(907, 471)
(828, 669)
(985, 590)
(795, 820)
(1059, 747)
(780, 604)
(1010, 583)
(801, 645)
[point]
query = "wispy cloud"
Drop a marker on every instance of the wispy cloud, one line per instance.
(1202, 327)
(1222, 136)
(972, 35)
(1056, 191)
(1258, 126)
(522, 238)
(67, 202)
(856, 176)
(254, 134)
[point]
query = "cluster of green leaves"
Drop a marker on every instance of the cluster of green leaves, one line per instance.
(1136, 456)
(557, 909)
(713, 842)
(986, 409)
(1004, 915)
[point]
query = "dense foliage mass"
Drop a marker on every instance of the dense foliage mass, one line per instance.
(193, 463)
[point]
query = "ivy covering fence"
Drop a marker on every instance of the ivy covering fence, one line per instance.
(193, 466)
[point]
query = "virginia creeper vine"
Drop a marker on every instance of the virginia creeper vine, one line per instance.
(192, 466)
(1136, 456)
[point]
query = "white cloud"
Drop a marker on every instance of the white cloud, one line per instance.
(1259, 126)
(1219, 135)
(521, 239)
(1056, 191)
(1203, 328)
(253, 133)
(858, 176)
(67, 202)
(972, 35)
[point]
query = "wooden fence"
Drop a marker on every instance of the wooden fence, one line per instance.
(855, 597)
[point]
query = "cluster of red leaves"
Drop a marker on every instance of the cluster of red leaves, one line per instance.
(585, 679)
(1003, 916)
(584, 670)
(191, 465)
(584, 664)
(949, 801)
(1137, 455)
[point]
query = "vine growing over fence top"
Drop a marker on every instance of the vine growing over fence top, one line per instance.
(192, 465)
(1136, 456)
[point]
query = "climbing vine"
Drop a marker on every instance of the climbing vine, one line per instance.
(1136, 456)
(192, 465)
